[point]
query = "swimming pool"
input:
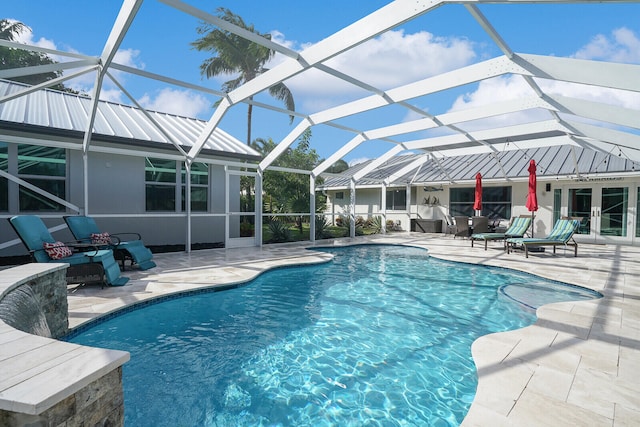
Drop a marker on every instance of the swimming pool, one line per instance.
(379, 336)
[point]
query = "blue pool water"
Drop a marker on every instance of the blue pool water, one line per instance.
(379, 336)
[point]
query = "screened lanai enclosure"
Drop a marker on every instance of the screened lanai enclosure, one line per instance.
(189, 181)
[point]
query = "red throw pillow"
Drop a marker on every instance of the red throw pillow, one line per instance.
(57, 250)
(100, 238)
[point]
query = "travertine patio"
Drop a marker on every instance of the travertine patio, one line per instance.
(578, 365)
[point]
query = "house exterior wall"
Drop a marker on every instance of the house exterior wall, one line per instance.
(117, 201)
(367, 203)
(433, 202)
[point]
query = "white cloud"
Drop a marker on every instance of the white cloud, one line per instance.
(85, 82)
(393, 59)
(179, 102)
(111, 95)
(27, 37)
(495, 90)
(622, 45)
(109, 92)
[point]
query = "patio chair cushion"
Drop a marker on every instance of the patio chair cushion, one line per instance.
(85, 229)
(100, 238)
(57, 250)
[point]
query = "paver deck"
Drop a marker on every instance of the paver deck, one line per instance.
(579, 364)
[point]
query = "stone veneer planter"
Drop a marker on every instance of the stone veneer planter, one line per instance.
(48, 382)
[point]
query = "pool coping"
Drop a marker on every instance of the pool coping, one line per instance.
(38, 372)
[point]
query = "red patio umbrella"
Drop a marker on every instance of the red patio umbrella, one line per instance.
(477, 204)
(532, 198)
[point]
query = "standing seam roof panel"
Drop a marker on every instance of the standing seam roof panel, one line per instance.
(113, 120)
(49, 108)
(77, 108)
(14, 111)
(586, 161)
(172, 129)
(232, 142)
(129, 122)
(100, 124)
(38, 116)
(59, 116)
(615, 163)
(510, 160)
(559, 161)
(147, 126)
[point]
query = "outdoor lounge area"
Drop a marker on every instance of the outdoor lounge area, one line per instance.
(578, 365)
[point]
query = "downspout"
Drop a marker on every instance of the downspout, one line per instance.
(312, 208)
(407, 190)
(85, 183)
(187, 166)
(383, 202)
(258, 208)
(226, 205)
(352, 214)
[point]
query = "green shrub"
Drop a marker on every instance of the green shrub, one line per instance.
(322, 226)
(279, 231)
(375, 224)
(246, 229)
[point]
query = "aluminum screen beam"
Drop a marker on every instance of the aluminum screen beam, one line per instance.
(376, 23)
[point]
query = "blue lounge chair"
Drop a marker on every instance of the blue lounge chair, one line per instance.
(85, 230)
(561, 235)
(518, 227)
(84, 267)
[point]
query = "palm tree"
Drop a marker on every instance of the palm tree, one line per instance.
(9, 30)
(237, 55)
(17, 58)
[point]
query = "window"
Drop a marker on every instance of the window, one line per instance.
(160, 180)
(339, 195)
(397, 200)
(45, 168)
(461, 201)
(496, 201)
(161, 184)
(557, 204)
(199, 187)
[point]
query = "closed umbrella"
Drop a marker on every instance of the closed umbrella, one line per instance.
(532, 198)
(477, 204)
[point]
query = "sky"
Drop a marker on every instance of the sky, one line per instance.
(444, 39)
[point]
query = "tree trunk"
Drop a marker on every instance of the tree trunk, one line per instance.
(249, 113)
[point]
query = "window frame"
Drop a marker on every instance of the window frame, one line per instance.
(462, 204)
(395, 202)
(41, 178)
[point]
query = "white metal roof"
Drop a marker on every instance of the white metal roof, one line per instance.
(68, 112)
(560, 162)
(560, 120)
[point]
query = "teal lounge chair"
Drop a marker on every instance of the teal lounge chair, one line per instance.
(561, 235)
(85, 230)
(518, 227)
(84, 267)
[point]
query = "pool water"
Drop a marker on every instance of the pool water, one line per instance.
(380, 336)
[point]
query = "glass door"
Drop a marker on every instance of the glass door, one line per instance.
(579, 207)
(613, 213)
(240, 209)
(603, 211)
